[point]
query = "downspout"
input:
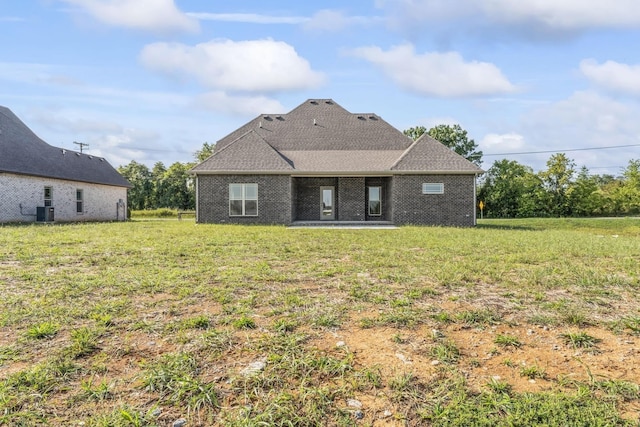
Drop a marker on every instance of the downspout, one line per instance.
(475, 200)
(197, 199)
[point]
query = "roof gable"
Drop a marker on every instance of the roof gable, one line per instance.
(23, 152)
(249, 152)
(428, 154)
(322, 124)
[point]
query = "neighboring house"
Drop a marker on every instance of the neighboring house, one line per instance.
(39, 182)
(320, 162)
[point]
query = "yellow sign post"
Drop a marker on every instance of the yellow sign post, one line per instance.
(481, 206)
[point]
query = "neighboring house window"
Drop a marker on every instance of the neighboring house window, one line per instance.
(375, 201)
(243, 199)
(432, 188)
(79, 201)
(48, 196)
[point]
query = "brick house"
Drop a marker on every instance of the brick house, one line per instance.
(39, 182)
(320, 162)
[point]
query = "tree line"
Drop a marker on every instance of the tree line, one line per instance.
(162, 187)
(508, 189)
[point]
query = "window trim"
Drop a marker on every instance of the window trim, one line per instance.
(243, 198)
(79, 201)
(379, 200)
(48, 201)
(429, 188)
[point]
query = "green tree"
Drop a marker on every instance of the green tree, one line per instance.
(511, 190)
(158, 193)
(177, 186)
(141, 194)
(629, 191)
(557, 179)
(415, 132)
(454, 137)
(582, 195)
(205, 152)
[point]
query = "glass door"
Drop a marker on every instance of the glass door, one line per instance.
(327, 211)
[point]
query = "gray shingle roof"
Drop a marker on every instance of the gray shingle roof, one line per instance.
(233, 156)
(429, 154)
(23, 152)
(319, 136)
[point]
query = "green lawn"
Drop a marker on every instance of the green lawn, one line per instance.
(146, 322)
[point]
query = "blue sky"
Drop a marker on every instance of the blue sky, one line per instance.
(151, 80)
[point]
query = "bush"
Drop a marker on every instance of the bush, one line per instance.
(155, 213)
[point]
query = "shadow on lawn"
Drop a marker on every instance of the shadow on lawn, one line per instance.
(507, 227)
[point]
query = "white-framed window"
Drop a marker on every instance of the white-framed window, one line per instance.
(375, 201)
(243, 199)
(79, 201)
(432, 188)
(48, 196)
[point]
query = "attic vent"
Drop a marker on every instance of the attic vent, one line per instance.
(102, 160)
(328, 102)
(90, 157)
(373, 118)
(78, 154)
(314, 102)
(361, 118)
(64, 152)
(280, 118)
(268, 118)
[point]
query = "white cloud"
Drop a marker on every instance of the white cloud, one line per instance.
(613, 75)
(57, 122)
(248, 18)
(336, 20)
(241, 105)
(537, 16)
(12, 19)
(585, 120)
(122, 147)
(148, 15)
(507, 142)
(258, 66)
(436, 74)
(565, 14)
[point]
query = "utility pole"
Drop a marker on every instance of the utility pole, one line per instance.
(81, 144)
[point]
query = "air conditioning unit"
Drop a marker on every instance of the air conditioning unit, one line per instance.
(44, 214)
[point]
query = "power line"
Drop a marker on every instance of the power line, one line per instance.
(561, 151)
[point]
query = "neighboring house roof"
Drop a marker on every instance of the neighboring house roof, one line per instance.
(23, 152)
(321, 137)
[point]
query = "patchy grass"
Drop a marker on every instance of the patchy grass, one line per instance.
(146, 322)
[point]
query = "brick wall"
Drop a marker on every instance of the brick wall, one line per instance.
(456, 207)
(100, 201)
(403, 201)
(351, 199)
(274, 199)
(307, 203)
